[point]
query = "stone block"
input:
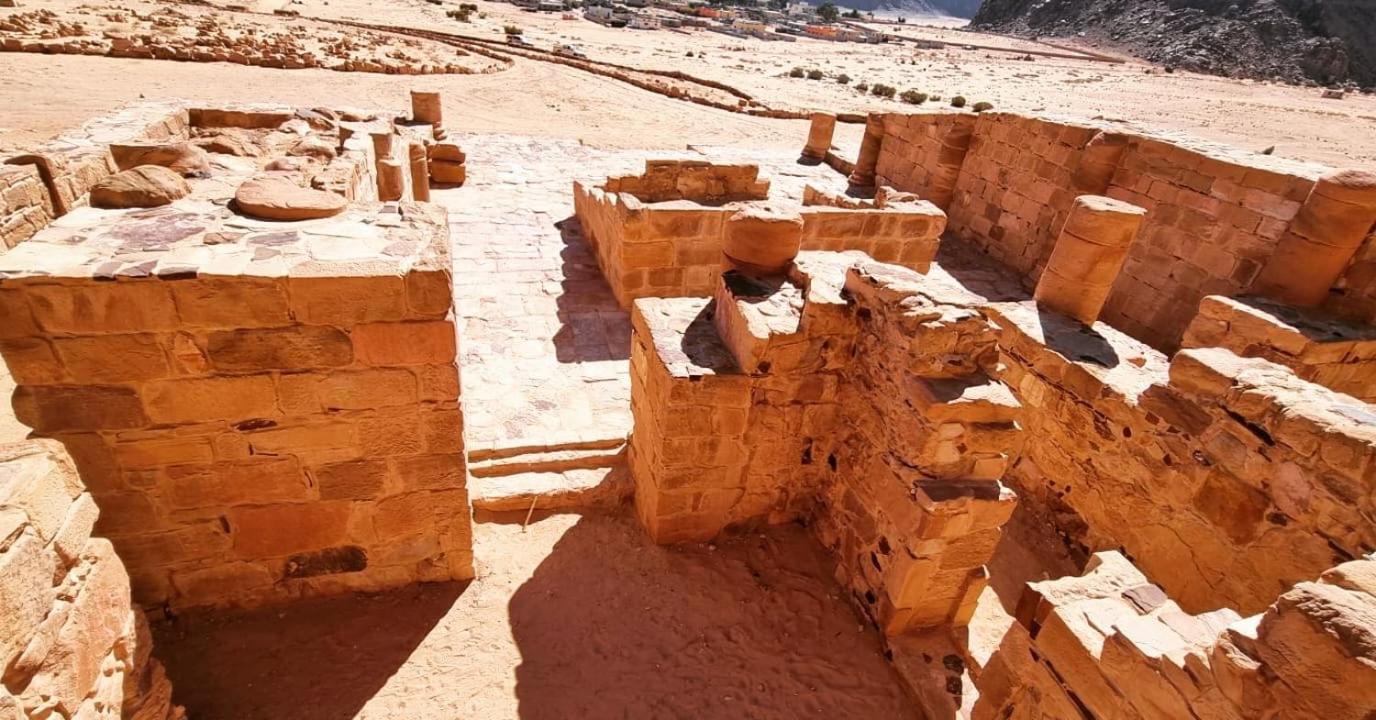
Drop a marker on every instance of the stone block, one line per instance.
(286, 348)
(59, 408)
(347, 301)
(232, 399)
(282, 529)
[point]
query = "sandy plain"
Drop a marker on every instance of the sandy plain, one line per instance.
(43, 94)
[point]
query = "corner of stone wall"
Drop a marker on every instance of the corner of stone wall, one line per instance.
(1110, 644)
(71, 642)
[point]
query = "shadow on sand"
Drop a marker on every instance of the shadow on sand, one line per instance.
(320, 659)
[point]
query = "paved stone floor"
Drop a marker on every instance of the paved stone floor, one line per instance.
(544, 347)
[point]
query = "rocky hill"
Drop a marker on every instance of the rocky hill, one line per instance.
(1324, 41)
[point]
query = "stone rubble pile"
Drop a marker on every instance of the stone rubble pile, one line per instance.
(206, 36)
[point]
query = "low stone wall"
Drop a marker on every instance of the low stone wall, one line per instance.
(71, 164)
(1216, 215)
(1109, 644)
(261, 410)
(71, 644)
(1226, 479)
(693, 180)
(894, 228)
(785, 399)
(25, 207)
(1319, 348)
(661, 234)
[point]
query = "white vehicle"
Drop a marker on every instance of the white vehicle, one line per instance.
(572, 51)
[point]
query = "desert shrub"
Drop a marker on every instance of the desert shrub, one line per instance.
(843, 78)
(882, 90)
(981, 106)
(958, 101)
(511, 30)
(814, 74)
(913, 97)
(796, 72)
(688, 54)
(862, 87)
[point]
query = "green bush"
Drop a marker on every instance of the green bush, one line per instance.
(958, 101)
(884, 91)
(796, 72)
(843, 78)
(913, 97)
(981, 106)
(814, 74)
(862, 87)
(511, 30)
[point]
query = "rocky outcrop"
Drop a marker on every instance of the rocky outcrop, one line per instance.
(1323, 41)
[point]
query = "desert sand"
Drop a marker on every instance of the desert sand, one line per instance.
(44, 94)
(596, 621)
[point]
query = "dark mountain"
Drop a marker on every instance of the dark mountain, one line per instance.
(1324, 41)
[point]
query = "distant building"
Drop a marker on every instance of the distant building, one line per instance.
(598, 14)
(750, 27)
(824, 32)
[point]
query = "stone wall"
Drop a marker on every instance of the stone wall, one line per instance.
(1317, 347)
(25, 207)
(260, 411)
(1109, 644)
(1216, 215)
(923, 153)
(694, 180)
(661, 234)
(1213, 221)
(1016, 187)
(71, 164)
(1226, 479)
(912, 505)
(867, 413)
(71, 643)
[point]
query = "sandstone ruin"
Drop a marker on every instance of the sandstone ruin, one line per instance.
(237, 335)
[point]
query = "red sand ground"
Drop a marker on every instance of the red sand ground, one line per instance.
(596, 622)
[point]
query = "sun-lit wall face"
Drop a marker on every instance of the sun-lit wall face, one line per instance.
(1217, 217)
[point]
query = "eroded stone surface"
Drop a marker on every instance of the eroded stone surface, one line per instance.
(70, 641)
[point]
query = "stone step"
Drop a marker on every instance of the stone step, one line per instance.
(545, 461)
(576, 489)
